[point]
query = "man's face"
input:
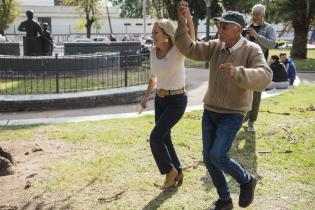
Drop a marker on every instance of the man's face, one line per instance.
(228, 32)
(283, 58)
(257, 17)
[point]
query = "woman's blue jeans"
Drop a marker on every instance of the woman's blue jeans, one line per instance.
(168, 111)
(218, 133)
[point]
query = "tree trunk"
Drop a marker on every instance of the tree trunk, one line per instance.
(88, 26)
(299, 49)
(89, 21)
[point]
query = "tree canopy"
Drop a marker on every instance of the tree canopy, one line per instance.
(300, 15)
(129, 8)
(91, 10)
(165, 9)
(9, 10)
(297, 13)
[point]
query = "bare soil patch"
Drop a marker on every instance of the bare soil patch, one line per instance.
(31, 160)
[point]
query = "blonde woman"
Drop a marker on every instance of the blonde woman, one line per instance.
(168, 77)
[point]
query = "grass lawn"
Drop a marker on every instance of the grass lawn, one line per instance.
(301, 65)
(44, 84)
(113, 167)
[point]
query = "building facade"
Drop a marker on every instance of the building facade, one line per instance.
(63, 20)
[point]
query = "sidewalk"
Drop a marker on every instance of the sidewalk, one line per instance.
(196, 86)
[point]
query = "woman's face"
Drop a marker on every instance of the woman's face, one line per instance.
(159, 36)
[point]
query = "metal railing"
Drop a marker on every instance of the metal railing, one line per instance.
(46, 75)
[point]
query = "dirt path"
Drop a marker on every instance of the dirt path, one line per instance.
(31, 159)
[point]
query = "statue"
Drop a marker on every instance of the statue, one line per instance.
(47, 40)
(32, 42)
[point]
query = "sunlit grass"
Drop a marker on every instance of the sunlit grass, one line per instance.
(114, 157)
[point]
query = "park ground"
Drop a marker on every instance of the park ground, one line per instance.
(108, 164)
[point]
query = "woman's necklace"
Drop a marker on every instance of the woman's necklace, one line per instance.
(161, 54)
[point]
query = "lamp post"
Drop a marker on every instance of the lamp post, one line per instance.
(208, 5)
(127, 24)
(110, 24)
(144, 18)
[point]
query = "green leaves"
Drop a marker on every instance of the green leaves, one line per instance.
(9, 10)
(129, 8)
(91, 10)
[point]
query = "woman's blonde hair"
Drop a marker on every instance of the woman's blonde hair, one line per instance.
(168, 28)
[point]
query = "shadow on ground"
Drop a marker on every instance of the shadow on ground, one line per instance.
(160, 199)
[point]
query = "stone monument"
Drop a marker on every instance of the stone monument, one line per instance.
(47, 40)
(32, 41)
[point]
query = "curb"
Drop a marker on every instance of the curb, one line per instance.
(117, 96)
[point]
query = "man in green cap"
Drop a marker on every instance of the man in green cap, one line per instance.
(237, 67)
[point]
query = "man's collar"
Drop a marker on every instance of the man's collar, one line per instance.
(237, 45)
(262, 24)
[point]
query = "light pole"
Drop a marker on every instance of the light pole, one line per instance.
(110, 24)
(127, 24)
(144, 19)
(208, 5)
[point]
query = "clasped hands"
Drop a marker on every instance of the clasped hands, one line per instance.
(183, 11)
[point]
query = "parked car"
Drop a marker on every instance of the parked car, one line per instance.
(148, 42)
(284, 46)
(100, 39)
(82, 40)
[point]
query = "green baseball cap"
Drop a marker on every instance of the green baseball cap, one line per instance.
(232, 17)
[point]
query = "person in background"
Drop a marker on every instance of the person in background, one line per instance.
(2, 38)
(168, 77)
(124, 39)
(237, 68)
(290, 67)
(280, 75)
(263, 34)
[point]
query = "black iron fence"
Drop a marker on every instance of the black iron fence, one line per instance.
(53, 74)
